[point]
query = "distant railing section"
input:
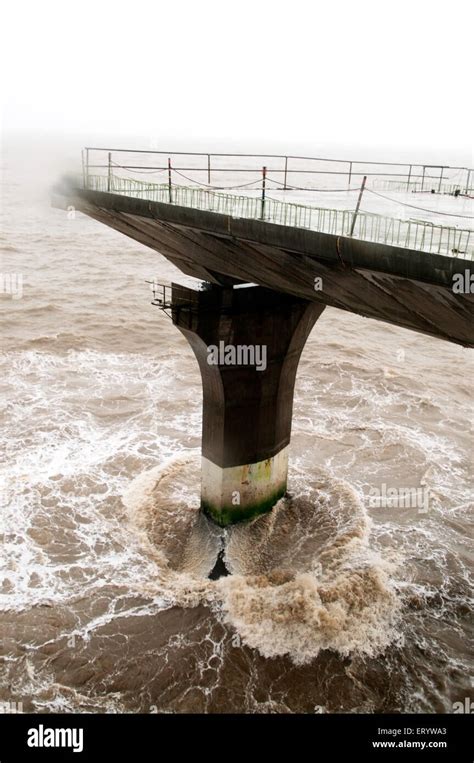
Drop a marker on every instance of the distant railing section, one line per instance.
(411, 234)
(449, 189)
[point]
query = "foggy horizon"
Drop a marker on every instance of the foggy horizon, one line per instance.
(317, 80)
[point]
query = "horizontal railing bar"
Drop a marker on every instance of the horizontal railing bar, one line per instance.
(276, 156)
(258, 169)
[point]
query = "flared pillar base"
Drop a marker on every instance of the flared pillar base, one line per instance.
(247, 342)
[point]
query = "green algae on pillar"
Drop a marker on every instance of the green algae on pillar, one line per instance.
(236, 493)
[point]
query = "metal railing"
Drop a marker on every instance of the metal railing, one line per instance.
(410, 234)
(449, 189)
(162, 295)
(285, 171)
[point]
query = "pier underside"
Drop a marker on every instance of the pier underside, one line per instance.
(408, 288)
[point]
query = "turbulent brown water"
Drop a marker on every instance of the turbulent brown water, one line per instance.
(333, 605)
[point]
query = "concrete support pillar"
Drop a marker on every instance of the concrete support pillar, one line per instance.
(247, 342)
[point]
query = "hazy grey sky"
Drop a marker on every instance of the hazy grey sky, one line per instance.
(368, 74)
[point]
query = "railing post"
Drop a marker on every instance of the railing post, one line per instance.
(423, 178)
(109, 172)
(440, 179)
(409, 176)
(286, 173)
(264, 175)
(357, 206)
(87, 168)
(169, 182)
(209, 169)
(350, 173)
(467, 180)
(83, 170)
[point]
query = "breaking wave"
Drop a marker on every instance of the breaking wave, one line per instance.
(303, 576)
